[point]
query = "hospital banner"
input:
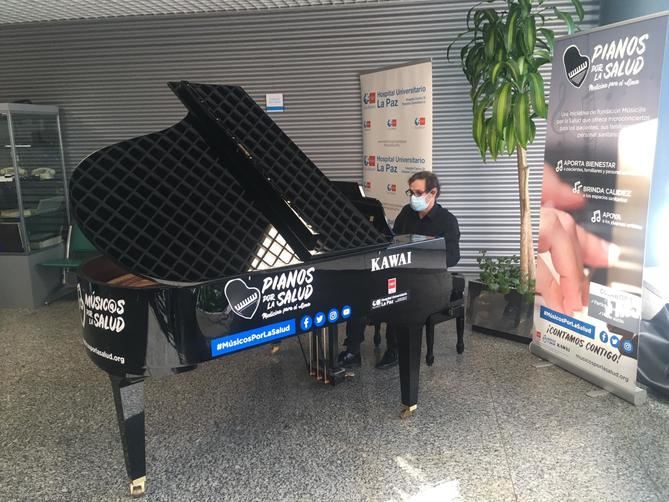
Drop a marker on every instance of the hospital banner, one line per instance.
(396, 130)
(603, 127)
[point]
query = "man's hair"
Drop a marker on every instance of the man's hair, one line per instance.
(431, 180)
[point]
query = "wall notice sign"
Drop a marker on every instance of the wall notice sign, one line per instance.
(274, 102)
(396, 130)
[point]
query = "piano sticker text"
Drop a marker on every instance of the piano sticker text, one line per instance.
(104, 353)
(391, 261)
(287, 292)
(387, 301)
(99, 312)
(252, 337)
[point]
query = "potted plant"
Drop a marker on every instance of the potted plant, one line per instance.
(505, 45)
(500, 302)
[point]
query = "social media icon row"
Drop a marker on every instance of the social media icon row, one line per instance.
(628, 345)
(320, 318)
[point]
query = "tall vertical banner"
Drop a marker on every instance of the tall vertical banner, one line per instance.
(604, 122)
(397, 130)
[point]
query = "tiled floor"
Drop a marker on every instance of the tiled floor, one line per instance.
(254, 426)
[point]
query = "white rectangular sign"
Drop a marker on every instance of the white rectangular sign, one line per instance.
(397, 130)
(274, 102)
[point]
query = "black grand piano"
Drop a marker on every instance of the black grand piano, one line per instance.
(218, 234)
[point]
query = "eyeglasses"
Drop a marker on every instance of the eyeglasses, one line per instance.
(409, 193)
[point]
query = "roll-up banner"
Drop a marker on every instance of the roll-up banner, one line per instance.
(607, 119)
(396, 130)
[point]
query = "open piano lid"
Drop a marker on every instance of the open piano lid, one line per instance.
(221, 193)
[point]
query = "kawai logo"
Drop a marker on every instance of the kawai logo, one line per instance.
(243, 300)
(391, 261)
(576, 66)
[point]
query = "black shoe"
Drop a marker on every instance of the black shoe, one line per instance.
(349, 360)
(388, 360)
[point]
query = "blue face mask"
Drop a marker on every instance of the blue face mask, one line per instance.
(419, 204)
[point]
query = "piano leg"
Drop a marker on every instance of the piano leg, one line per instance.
(129, 401)
(335, 372)
(460, 327)
(409, 345)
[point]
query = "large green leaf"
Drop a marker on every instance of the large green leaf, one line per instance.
(502, 107)
(510, 137)
(579, 9)
(537, 93)
(490, 42)
(521, 118)
(550, 38)
(566, 17)
(492, 138)
(515, 71)
(495, 71)
(511, 27)
(530, 35)
(478, 131)
(532, 132)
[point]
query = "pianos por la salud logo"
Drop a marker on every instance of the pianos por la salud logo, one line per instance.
(576, 65)
(281, 293)
(100, 312)
(243, 300)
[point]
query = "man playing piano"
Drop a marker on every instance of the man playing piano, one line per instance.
(423, 216)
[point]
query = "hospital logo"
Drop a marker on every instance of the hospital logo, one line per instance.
(391, 187)
(391, 123)
(370, 161)
(420, 122)
(368, 185)
(367, 124)
(369, 98)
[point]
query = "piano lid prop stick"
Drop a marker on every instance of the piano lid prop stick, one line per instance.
(311, 355)
(318, 356)
(325, 356)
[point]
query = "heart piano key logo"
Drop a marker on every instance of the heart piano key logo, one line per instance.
(576, 65)
(243, 300)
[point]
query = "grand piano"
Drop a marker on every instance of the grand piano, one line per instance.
(217, 235)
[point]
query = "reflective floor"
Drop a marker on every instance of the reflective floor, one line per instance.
(489, 426)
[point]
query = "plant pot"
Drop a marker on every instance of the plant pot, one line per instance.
(507, 315)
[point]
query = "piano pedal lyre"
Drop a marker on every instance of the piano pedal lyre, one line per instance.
(138, 486)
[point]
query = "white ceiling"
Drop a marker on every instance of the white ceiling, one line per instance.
(24, 11)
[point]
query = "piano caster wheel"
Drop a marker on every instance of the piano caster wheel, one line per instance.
(407, 411)
(349, 375)
(429, 359)
(460, 348)
(137, 486)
